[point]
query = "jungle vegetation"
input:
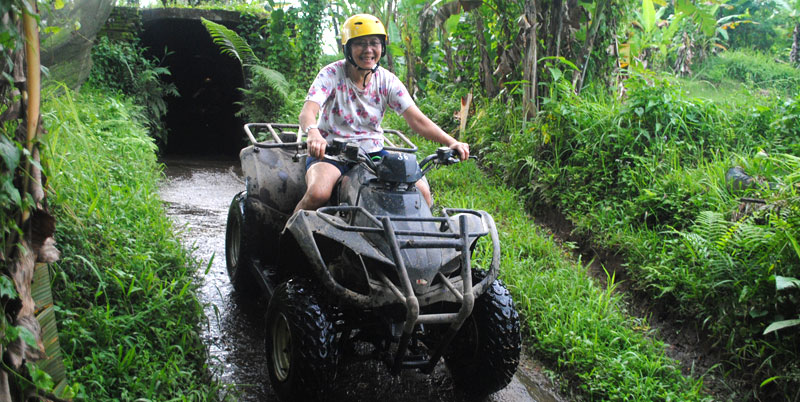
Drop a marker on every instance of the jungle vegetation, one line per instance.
(665, 133)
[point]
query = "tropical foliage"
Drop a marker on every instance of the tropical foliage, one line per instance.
(267, 89)
(123, 67)
(123, 268)
(569, 109)
(646, 178)
(28, 337)
(665, 132)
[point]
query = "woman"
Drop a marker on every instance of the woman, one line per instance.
(353, 95)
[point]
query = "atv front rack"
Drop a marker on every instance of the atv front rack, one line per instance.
(383, 225)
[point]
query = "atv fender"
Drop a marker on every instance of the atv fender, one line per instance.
(273, 176)
(298, 238)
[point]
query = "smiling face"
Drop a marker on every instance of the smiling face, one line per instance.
(366, 50)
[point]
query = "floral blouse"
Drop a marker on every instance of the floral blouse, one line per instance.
(348, 112)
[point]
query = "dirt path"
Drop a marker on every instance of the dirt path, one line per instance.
(197, 193)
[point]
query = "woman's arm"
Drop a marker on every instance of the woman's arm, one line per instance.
(425, 127)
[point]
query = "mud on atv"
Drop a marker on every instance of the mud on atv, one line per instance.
(373, 267)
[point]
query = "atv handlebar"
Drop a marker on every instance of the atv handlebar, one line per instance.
(289, 137)
(443, 156)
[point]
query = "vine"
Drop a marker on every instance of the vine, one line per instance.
(308, 40)
(26, 237)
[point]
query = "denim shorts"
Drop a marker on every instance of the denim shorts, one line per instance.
(343, 168)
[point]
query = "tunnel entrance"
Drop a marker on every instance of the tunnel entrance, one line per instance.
(201, 121)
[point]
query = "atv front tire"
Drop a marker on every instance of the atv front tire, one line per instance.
(238, 249)
(300, 343)
(484, 355)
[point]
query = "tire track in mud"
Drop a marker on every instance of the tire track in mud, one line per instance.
(196, 193)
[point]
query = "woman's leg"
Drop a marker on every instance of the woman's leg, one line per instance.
(425, 189)
(320, 179)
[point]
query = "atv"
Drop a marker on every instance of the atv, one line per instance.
(374, 267)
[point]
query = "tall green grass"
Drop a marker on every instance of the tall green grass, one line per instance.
(124, 287)
(641, 176)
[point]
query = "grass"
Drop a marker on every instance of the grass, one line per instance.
(124, 287)
(639, 177)
(753, 69)
(715, 92)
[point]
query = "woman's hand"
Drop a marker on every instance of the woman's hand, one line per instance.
(462, 148)
(316, 144)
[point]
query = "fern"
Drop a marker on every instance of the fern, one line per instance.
(230, 43)
(273, 79)
(267, 90)
(265, 96)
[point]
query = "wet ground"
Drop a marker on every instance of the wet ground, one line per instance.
(197, 194)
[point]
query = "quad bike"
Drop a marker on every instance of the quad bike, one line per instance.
(375, 267)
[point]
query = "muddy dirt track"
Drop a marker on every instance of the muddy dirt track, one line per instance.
(196, 194)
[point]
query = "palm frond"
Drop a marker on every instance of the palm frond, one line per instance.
(230, 43)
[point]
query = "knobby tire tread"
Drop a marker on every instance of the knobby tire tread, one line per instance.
(496, 356)
(314, 355)
(241, 275)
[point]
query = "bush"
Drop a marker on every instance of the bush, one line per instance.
(572, 325)
(646, 179)
(756, 69)
(724, 270)
(265, 96)
(123, 68)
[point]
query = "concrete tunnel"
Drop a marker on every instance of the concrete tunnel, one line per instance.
(201, 121)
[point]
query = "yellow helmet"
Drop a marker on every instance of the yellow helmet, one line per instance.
(362, 25)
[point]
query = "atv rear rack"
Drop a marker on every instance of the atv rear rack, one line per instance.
(277, 139)
(405, 295)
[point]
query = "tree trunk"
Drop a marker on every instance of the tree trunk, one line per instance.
(335, 23)
(411, 76)
(794, 57)
(427, 26)
(30, 242)
(485, 67)
(529, 94)
(427, 22)
(411, 60)
(390, 13)
(448, 56)
(588, 46)
(441, 17)
(559, 13)
(552, 16)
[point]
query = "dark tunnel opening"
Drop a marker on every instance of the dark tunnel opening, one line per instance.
(201, 121)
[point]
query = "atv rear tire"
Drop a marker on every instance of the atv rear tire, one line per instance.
(238, 249)
(300, 343)
(484, 355)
